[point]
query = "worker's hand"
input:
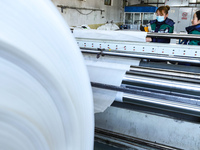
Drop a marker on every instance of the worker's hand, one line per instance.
(148, 39)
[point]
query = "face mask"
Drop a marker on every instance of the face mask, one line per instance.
(160, 18)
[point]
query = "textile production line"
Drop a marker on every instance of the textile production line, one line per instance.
(156, 105)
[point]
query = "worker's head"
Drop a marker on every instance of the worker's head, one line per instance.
(196, 18)
(162, 13)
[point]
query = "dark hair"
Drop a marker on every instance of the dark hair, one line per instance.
(198, 14)
(163, 8)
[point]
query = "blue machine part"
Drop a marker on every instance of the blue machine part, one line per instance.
(151, 9)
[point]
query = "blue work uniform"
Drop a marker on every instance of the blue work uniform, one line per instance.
(167, 26)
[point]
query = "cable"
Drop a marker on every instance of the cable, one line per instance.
(83, 13)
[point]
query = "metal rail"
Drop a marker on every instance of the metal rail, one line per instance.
(146, 56)
(174, 36)
(163, 76)
(179, 75)
(79, 8)
(161, 89)
(156, 100)
(162, 84)
(166, 95)
(162, 104)
(118, 139)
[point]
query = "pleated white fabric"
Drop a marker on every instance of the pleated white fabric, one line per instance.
(45, 94)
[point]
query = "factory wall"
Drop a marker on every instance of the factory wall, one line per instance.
(191, 3)
(133, 2)
(77, 17)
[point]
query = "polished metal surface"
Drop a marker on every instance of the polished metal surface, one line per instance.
(162, 104)
(163, 89)
(166, 95)
(170, 90)
(157, 128)
(128, 142)
(163, 76)
(174, 36)
(166, 72)
(163, 84)
(146, 56)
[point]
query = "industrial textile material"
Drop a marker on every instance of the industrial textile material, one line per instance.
(107, 70)
(136, 36)
(106, 73)
(46, 98)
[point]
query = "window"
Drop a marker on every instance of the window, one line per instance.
(107, 2)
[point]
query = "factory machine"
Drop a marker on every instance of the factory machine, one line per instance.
(160, 97)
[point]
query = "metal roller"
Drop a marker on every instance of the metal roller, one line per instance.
(162, 84)
(150, 93)
(173, 36)
(161, 89)
(163, 76)
(146, 56)
(164, 72)
(162, 104)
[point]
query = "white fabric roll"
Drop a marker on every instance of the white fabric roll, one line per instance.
(46, 99)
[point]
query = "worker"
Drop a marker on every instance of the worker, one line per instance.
(162, 24)
(194, 29)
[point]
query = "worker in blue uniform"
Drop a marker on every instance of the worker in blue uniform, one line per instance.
(194, 29)
(162, 24)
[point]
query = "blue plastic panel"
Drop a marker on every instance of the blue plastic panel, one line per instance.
(140, 9)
